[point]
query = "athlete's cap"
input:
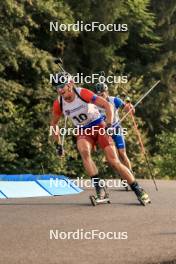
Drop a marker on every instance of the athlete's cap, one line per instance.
(100, 88)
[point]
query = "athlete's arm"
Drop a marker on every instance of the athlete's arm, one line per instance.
(90, 97)
(101, 102)
(55, 116)
(118, 102)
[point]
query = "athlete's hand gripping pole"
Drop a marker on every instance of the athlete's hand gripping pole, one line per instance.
(59, 62)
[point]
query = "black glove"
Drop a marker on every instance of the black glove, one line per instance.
(59, 150)
(108, 126)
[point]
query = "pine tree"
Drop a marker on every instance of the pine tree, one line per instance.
(27, 47)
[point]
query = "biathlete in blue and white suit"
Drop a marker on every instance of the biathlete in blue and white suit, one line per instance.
(102, 90)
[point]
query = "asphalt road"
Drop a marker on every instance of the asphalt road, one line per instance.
(25, 226)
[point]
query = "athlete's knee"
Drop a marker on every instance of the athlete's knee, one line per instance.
(113, 160)
(123, 156)
(111, 155)
(122, 153)
(85, 153)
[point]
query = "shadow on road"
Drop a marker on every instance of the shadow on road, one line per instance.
(39, 204)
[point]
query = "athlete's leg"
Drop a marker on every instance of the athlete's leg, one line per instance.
(124, 158)
(111, 156)
(121, 150)
(125, 173)
(85, 147)
(106, 143)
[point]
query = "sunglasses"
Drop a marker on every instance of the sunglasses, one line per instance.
(60, 86)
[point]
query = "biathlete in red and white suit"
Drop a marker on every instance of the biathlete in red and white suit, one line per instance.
(80, 105)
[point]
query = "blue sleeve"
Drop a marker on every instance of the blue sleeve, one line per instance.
(94, 98)
(118, 102)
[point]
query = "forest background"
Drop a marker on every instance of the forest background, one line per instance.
(145, 53)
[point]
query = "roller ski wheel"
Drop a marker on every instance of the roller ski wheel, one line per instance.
(96, 200)
(144, 199)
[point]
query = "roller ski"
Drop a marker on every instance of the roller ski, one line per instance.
(100, 198)
(143, 198)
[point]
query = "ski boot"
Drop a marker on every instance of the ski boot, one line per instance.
(101, 198)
